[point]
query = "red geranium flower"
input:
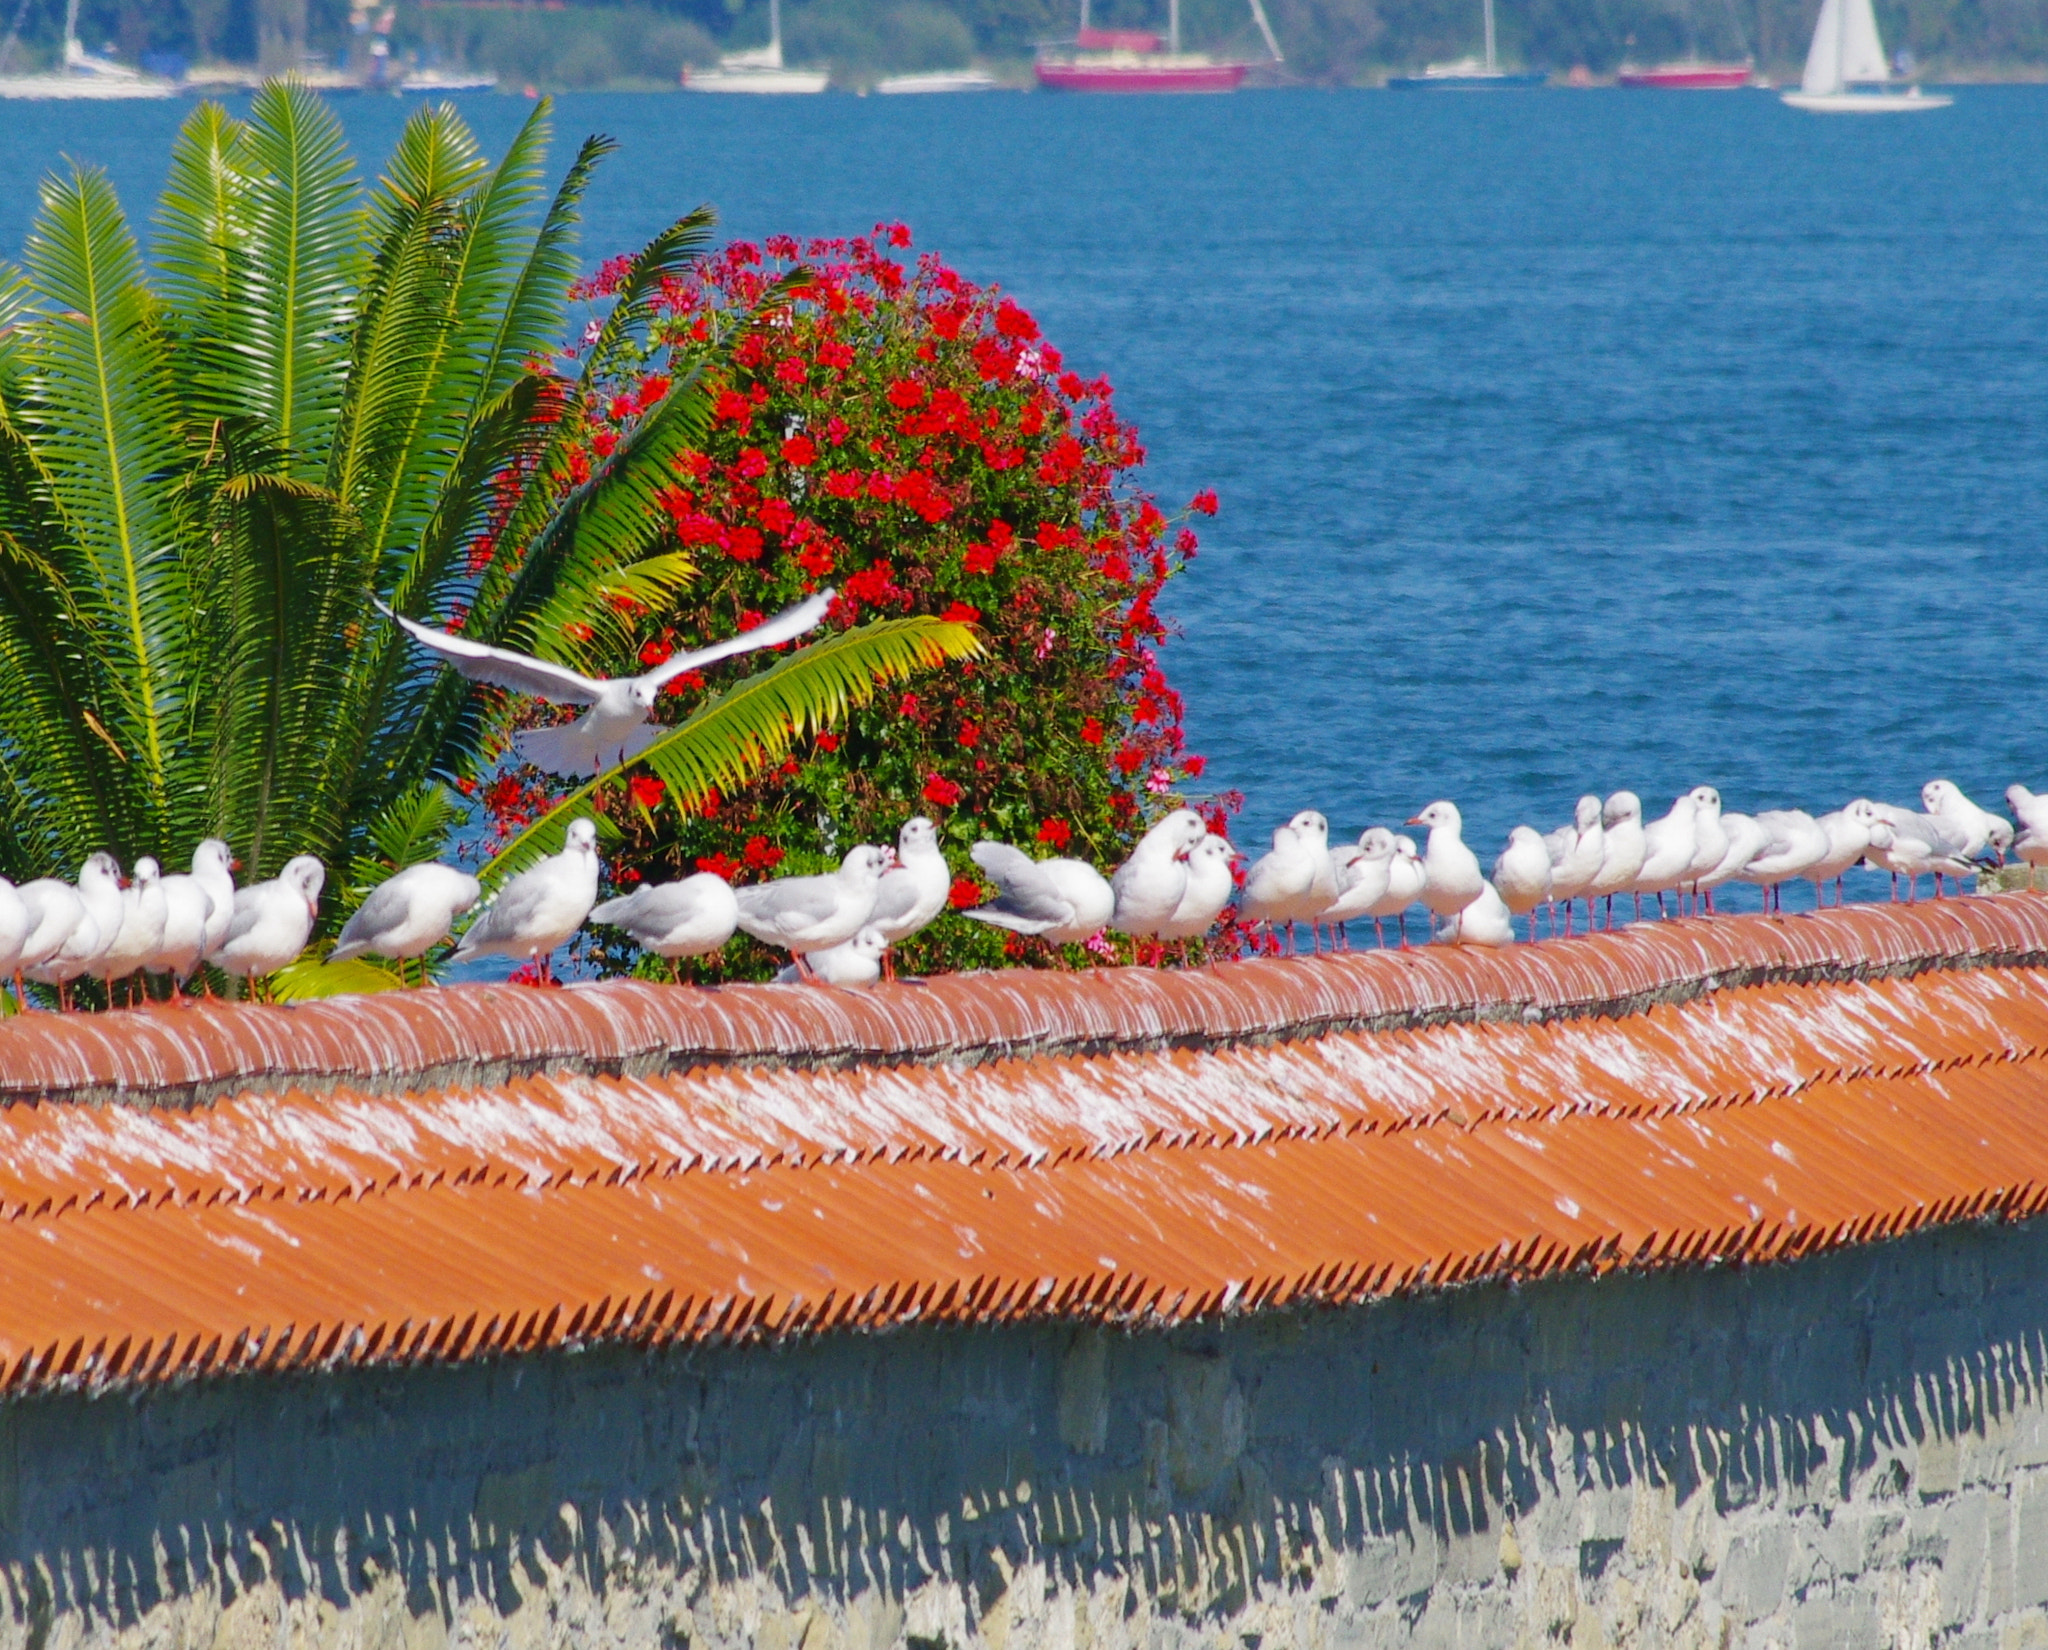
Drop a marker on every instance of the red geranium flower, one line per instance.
(1204, 502)
(965, 894)
(906, 393)
(1091, 732)
(800, 451)
(646, 790)
(719, 865)
(940, 791)
(961, 613)
(1055, 833)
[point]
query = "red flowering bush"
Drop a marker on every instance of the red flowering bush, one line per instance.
(910, 440)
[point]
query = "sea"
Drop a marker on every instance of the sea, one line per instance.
(1566, 441)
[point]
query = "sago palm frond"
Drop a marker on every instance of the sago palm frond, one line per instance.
(729, 738)
(594, 613)
(201, 217)
(100, 411)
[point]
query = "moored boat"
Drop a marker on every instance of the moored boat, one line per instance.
(1688, 77)
(1469, 74)
(1847, 72)
(1131, 60)
(82, 76)
(760, 70)
(937, 80)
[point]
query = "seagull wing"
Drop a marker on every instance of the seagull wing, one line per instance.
(383, 911)
(502, 668)
(1030, 902)
(786, 626)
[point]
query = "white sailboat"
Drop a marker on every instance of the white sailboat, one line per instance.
(83, 76)
(1847, 53)
(759, 70)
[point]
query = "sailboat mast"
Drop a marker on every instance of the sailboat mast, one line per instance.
(1084, 16)
(1489, 36)
(70, 35)
(1173, 26)
(774, 30)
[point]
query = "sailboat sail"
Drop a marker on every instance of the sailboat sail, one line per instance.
(1846, 48)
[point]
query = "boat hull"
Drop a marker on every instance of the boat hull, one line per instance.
(1687, 77)
(1864, 103)
(53, 88)
(1191, 77)
(940, 81)
(1501, 81)
(758, 82)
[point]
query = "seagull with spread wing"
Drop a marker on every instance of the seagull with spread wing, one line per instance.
(616, 727)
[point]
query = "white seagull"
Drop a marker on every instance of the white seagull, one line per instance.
(1364, 873)
(914, 889)
(407, 914)
(1485, 921)
(691, 917)
(543, 905)
(1210, 888)
(55, 912)
(1576, 851)
(1945, 800)
(1061, 901)
(272, 920)
(1522, 874)
(99, 889)
(1406, 878)
(1794, 844)
(1294, 883)
(1709, 846)
(142, 926)
(805, 914)
(616, 727)
(1150, 884)
(2032, 813)
(1622, 847)
(1453, 878)
(857, 961)
(16, 924)
(1668, 847)
(1848, 831)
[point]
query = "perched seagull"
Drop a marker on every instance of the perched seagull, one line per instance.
(1294, 883)
(142, 926)
(55, 912)
(1744, 840)
(272, 920)
(1848, 833)
(1210, 888)
(188, 911)
(1485, 921)
(1406, 878)
(539, 909)
(1453, 880)
(857, 961)
(1944, 799)
(1522, 874)
(213, 868)
(99, 890)
(914, 889)
(1622, 847)
(1575, 852)
(692, 917)
(1931, 843)
(805, 914)
(1061, 901)
(16, 924)
(2032, 813)
(1364, 873)
(1709, 845)
(616, 727)
(1668, 847)
(407, 914)
(1794, 844)
(1150, 884)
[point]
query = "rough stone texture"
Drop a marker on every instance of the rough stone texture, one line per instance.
(1850, 1451)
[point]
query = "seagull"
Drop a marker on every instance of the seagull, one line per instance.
(142, 926)
(1668, 847)
(1061, 901)
(1794, 843)
(55, 912)
(616, 728)
(857, 961)
(1485, 920)
(1406, 878)
(692, 917)
(914, 889)
(407, 915)
(1921, 843)
(99, 889)
(1294, 883)
(1364, 872)
(272, 920)
(213, 867)
(804, 914)
(539, 909)
(1622, 847)
(1522, 876)
(2032, 813)
(1848, 833)
(1709, 845)
(188, 912)
(1150, 884)
(16, 924)
(1575, 854)
(1453, 877)
(1210, 888)
(1744, 839)
(1944, 799)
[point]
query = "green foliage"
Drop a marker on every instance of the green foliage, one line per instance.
(328, 395)
(591, 46)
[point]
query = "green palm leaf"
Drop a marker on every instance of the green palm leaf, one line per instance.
(202, 215)
(734, 734)
(100, 411)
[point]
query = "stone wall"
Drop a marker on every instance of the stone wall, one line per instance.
(1849, 1451)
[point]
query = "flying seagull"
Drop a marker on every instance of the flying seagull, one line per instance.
(616, 727)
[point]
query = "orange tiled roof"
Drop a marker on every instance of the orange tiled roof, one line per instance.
(458, 1173)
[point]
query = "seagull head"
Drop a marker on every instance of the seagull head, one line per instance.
(868, 942)
(917, 835)
(1587, 814)
(1706, 799)
(1311, 827)
(212, 855)
(100, 868)
(582, 837)
(307, 876)
(1377, 843)
(1622, 807)
(1440, 816)
(1937, 796)
(147, 871)
(866, 863)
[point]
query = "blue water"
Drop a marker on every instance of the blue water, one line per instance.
(1566, 441)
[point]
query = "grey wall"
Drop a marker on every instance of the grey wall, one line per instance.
(1850, 1451)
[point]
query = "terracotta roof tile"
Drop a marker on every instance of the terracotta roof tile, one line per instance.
(479, 1171)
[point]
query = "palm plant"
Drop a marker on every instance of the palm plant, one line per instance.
(326, 395)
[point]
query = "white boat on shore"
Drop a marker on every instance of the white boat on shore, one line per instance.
(83, 77)
(1846, 70)
(759, 71)
(938, 80)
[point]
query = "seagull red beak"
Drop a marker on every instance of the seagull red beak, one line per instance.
(1417, 820)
